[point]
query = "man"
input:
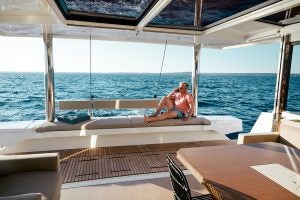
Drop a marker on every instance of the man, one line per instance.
(179, 104)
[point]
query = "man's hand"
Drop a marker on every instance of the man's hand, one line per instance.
(175, 90)
(171, 95)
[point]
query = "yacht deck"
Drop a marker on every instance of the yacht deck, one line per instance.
(86, 164)
(150, 189)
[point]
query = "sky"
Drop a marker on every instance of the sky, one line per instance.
(71, 55)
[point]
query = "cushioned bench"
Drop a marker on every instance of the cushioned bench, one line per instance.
(32, 176)
(113, 122)
(117, 122)
(288, 134)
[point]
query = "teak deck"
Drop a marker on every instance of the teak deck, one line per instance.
(107, 162)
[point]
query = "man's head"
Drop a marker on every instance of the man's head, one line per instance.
(183, 87)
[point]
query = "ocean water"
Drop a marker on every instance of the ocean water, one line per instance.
(244, 96)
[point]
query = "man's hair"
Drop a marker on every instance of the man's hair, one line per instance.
(185, 83)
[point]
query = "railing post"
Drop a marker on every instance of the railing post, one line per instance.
(282, 82)
(49, 74)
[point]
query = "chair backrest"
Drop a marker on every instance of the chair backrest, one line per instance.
(180, 185)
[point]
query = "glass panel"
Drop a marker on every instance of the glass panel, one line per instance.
(117, 7)
(181, 12)
(178, 12)
(275, 18)
(216, 10)
(285, 17)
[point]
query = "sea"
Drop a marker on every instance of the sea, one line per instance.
(243, 96)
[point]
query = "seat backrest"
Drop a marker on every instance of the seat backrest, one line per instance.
(180, 185)
(107, 104)
(289, 133)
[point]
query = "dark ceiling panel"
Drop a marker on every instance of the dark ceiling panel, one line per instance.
(216, 10)
(177, 13)
(132, 9)
(181, 12)
(283, 18)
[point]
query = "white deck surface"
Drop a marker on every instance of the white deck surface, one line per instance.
(22, 136)
(265, 120)
(147, 189)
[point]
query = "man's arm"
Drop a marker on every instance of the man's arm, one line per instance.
(191, 109)
(172, 94)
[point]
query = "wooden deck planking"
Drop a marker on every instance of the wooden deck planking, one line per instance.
(107, 162)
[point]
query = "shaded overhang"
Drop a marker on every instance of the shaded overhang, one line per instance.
(214, 24)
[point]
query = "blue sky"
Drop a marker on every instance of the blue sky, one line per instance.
(27, 54)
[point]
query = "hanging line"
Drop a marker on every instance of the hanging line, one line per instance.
(90, 49)
(91, 96)
(162, 64)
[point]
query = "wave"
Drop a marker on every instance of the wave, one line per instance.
(240, 95)
(205, 104)
(26, 101)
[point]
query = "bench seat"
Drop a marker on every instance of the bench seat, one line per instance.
(288, 134)
(138, 122)
(117, 122)
(31, 176)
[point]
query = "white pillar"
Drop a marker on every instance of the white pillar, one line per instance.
(49, 74)
(195, 76)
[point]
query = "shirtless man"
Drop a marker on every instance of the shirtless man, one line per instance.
(181, 109)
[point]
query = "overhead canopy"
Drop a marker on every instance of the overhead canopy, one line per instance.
(176, 14)
(216, 24)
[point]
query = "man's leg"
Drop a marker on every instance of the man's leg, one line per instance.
(164, 102)
(166, 115)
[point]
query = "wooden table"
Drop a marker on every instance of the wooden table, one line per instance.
(228, 169)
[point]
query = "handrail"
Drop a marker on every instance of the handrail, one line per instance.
(107, 104)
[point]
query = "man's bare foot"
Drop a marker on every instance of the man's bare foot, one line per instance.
(146, 119)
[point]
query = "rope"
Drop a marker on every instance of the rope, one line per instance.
(91, 96)
(162, 64)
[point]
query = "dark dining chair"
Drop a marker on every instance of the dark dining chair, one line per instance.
(181, 189)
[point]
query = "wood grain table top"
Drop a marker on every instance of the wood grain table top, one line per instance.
(228, 168)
